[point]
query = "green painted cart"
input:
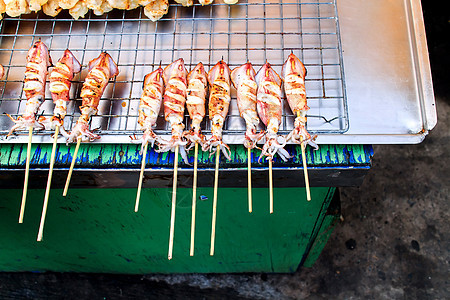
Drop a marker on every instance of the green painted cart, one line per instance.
(95, 228)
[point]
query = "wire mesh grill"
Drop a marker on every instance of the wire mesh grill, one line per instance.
(253, 30)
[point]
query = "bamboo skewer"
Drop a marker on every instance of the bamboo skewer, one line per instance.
(141, 176)
(27, 172)
(249, 175)
(72, 164)
(49, 182)
(270, 187)
(305, 170)
(216, 184)
(174, 202)
(194, 200)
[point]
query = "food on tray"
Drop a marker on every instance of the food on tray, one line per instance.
(149, 106)
(269, 110)
(243, 79)
(185, 2)
(196, 100)
(156, 9)
(101, 69)
(294, 73)
(38, 60)
(52, 8)
(174, 101)
(60, 81)
(219, 102)
(153, 9)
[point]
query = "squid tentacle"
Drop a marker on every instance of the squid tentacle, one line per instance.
(149, 137)
(211, 146)
(81, 129)
(164, 146)
(273, 146)
(300, 133)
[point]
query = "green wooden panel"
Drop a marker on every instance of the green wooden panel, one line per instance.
(96, 155)
(96, 230)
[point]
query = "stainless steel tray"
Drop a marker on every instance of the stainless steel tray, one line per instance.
(385, 95)
(251, 30)
(387, 72)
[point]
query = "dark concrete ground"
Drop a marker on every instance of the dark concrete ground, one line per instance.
(392, 244)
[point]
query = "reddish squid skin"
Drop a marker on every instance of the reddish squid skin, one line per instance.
(293, 75)
(174, 101)
(196, 103)
(175, 92)
(268, 95)
(243, 79)
(149, 106)
(61, 76)
(38, 60)
(101, 70)
(219, 102)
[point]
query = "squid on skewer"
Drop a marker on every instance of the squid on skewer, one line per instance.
(196, 98)
(149, 106)
(60, 83)
(243, 79)
(219, 102)
(38, 60)
(174, 100)
(269, 110)
(101, 70)
(195, 102)
(293, 74)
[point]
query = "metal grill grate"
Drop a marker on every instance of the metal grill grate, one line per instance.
(252, 30)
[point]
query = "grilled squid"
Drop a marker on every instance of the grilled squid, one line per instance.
(60, 82)
(293, 74)
(150, 105)
(38, 60)
(269, 109)
(174, 100)
(196, 99)
(101, 69)
(243, 79)
(219, 101)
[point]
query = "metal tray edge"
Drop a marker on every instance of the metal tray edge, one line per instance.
(423, 68)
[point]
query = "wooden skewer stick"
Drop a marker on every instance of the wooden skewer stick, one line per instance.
(72, 164)
(305, 170)
(194, 200)
(49, 182)
(270, 187)
(141, 176)
(27, 172)
(174, 202)
(216, 184)
(249, 175)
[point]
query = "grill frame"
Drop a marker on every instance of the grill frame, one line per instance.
(318, 46)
